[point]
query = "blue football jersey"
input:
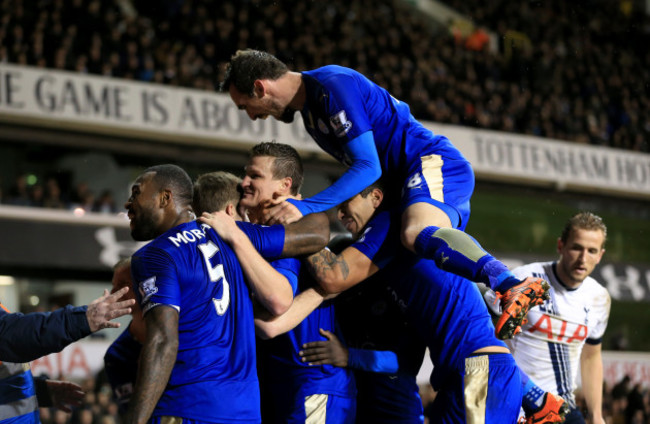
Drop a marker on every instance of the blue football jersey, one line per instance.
(371, 319)
(287, 379)
(121, 367)
(191, 269)
(342, 104)
(446, 310)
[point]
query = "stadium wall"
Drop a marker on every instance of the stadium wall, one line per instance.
(75, 102)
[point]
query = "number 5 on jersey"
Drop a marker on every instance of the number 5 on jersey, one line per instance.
(216, 273)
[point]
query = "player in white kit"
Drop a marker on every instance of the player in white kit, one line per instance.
(565, 332)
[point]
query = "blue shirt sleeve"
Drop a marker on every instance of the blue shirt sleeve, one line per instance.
(289, 267)
(268, 240)
(379, 240)
(154, 273)
(365, 170)
(373, 360)
(26, 337)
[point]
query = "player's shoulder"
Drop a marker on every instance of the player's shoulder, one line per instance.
(377, 228)
(331, 76)
(590, 286)
(329, 71)
(173, 242)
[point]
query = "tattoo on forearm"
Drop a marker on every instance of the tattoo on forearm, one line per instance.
(325, 262)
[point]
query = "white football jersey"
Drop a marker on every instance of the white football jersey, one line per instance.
(549, 345)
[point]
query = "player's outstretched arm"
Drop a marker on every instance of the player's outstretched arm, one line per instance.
(336, 273)
(333, 352)
(304, 237)
(271, 288)
(267, 327)
(156, 362)
(365, 170)
(26, 337)
(309, 235)
(326, 352)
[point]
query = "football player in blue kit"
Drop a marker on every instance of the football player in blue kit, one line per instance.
(364, 127)
(292, 392)
(272, 285)
(474, 374)
(198, 358)
(382, 349)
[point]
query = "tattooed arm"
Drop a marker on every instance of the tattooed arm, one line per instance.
(156, 362)
(336, 273)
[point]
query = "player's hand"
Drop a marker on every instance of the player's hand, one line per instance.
(65, 394)
(223, 224)
(329, 352)
(279, 211)
(101, 311)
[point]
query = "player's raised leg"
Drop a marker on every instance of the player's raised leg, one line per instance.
(435, 202)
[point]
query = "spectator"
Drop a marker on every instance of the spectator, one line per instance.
(18, 194)
(635, 411)
(36, 194)
(53, 199)
(105, 203)
(622, 388)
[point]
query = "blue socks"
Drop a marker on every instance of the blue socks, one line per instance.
(533, 395)
(457, 252)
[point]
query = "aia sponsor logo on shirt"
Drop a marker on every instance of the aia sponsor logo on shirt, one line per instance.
(555, 329)
(340, 124)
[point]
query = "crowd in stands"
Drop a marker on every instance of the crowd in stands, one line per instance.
(564, 70)
(624, 403)
(50, 194)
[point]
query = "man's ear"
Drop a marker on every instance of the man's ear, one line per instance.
(258, 89)
(165, 198)
(284, 189)
(377, 197)
(286, 184)
(231, 210)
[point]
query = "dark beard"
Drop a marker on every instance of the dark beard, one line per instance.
(143, 231)
(287, 116)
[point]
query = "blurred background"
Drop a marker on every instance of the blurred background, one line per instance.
(549, 100)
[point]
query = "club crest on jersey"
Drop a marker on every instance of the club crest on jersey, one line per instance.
(363, 236)
(148, 288)
(340, 123)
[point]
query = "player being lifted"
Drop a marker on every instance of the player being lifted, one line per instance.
(364, 127)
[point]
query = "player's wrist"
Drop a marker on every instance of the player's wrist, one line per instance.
(238, 239)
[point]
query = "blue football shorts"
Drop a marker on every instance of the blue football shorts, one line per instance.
(447, 184)
(323, 409)
(489, 391)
